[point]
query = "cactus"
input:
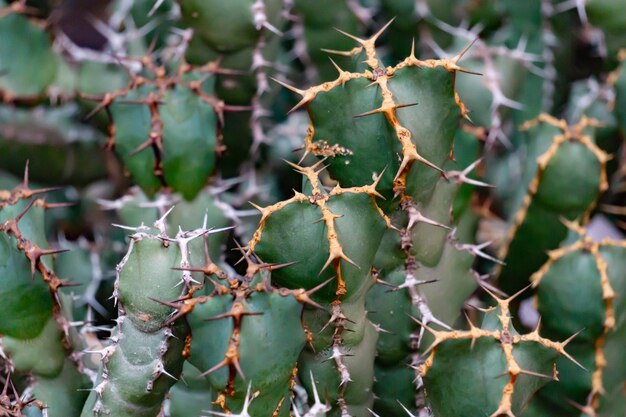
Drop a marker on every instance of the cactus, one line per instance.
(24, 41)
(363, 249)
(598, 267)
(259, 336)
(320, 251)
(500, 351)
(144, 339)
(537, 226)
(35, 331)
(164, 127)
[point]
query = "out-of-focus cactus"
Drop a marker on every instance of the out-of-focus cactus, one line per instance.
(555, 191)
(164, 126)
(605, 15)
(244, 36)
(24, 42)
(618, 77)
(595, 272)
(315, 34)
(35, 333)
(55, 144)
(488, 370)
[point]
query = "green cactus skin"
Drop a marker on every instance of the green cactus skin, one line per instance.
(165, 127)
(448, 285)
(618, 78)
(315, 36)
(605, 14)
(263, 328)
(191, 396)
(506, 368)
(385, 129)
(136, 208)
(24, 42)
(554, 191)
(145, 338)
(244, 36)
(230, 26)
(57, 147)
(291, 231)
(424, 132)
(594, 99)
(595, 272)
(35, 335)
(247, 336)
(417, 21)
(333, 312)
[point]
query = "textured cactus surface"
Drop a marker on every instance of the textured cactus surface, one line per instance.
(294, 208)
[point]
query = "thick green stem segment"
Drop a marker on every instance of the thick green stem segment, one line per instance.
(146, 351)
(191, 396)
(578, 290)
(247, 340)
(392, 124)
(24, 43)
(331, 237)
(565, 177)
(33, 329)
(489, 370)
(164, 126)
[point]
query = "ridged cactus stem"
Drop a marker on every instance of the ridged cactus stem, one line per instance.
(147, 272)
(146, 118)
(379, 75)
(409, 133)
(35, 324)
(502, 333)
(539, 211)
(231, 321)
(605, 264)
(31, 250)
(330, 214)
(259, 68)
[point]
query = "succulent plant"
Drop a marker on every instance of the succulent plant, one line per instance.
(425, 224)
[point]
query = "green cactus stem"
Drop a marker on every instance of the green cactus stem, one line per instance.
(146, 339)
(567, 174)
(506, 367)
(594, 271)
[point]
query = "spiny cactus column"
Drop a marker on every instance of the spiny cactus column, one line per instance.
(164, 125)
(436, 294)
(362, 135)
(578, 290)
(489, 370)
(311, 229)
(135, 208)
(35, 333)
(565, 177)
(146, 339)
(245, 36)
(247, 336)
(25, 42)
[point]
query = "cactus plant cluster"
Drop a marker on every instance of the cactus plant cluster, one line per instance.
(345, 208)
